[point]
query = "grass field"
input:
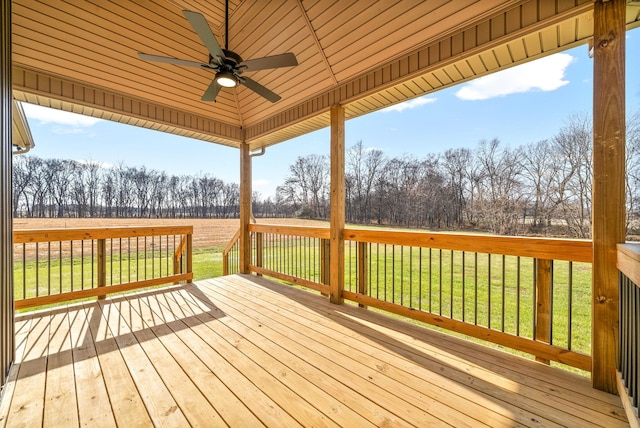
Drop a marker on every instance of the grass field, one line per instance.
(496, 292)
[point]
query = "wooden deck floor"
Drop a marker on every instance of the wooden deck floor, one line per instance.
(246, 352)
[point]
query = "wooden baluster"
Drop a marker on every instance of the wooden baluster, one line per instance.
(362, 270)
(259, 250)
(324, 262)
(102, 265)
(189, 255)
(543, 302)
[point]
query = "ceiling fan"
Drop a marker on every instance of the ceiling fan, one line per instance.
(227, 64)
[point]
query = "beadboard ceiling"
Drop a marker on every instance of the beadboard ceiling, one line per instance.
(81, 56)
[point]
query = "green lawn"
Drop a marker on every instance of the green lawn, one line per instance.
(59, 275)
(490, 291)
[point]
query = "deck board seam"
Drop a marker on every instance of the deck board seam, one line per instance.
(454, 346)
(152, 348)
(158, 415)
(272, 355)
(194, 357)
(211, 350)
(364, 367)
(103, 351)
(577, 408)
(206, 319)
(430, 384)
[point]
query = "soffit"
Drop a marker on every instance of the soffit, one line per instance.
(21, 134)
(366, 55)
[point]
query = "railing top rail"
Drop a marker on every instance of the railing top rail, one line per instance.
(629, 261)
(576, 250)
(231, 243)
(306, 231)
(49, 235)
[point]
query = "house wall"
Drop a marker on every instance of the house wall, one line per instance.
(6, 233)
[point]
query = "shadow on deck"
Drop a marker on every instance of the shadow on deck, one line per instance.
(246, 351)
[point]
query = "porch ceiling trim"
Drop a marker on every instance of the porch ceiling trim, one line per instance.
(511, 38)
(504, 35)
(36, 87)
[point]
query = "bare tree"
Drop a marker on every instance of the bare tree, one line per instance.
(455, 165)
(362, 170)
(499, 202)
(571, 149)
(60, 173)
(633, 172)
(306, 186)
(538, 171)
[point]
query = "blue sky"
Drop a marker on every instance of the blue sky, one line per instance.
(520, 105)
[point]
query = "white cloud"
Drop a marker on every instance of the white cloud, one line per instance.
(47, 115)
(410, 104)
(261, 182)
(105, 165)
(365, 150)
(545, 74)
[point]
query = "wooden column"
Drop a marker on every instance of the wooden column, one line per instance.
(608, 183)
(245, 208)
(6, 221)
(336, 240)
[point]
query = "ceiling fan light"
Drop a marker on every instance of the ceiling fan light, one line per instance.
(226, 79)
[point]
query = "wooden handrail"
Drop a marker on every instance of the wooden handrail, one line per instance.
(177, 256)
(98, 286)
(227, 250)
(542, 251)
(231, 243)
(629, 261)
(50, 235)
(306, 231)
(574, 250)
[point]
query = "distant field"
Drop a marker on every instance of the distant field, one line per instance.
(206, 232)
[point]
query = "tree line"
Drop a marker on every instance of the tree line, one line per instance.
(68, 188)
(542, 187)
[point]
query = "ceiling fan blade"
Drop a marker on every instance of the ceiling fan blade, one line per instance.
(259, 89)
(212, 91)
(169, 60)
(283, 60)
(203, 30)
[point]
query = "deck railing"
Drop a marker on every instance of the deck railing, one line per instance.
(231, 256)
(628, 355)
(299, 255)
(58, 265)
(527, 294)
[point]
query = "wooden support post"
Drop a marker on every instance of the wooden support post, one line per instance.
(189, 256)
(362, 270)
(336, 282)
(102, 265)
(245, 208)
(543, 303)
(608, 184)
(7, 322)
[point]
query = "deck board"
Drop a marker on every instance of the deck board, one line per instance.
(60, 391)
(246, 351)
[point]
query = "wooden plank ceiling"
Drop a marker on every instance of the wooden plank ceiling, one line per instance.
(82, 56)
